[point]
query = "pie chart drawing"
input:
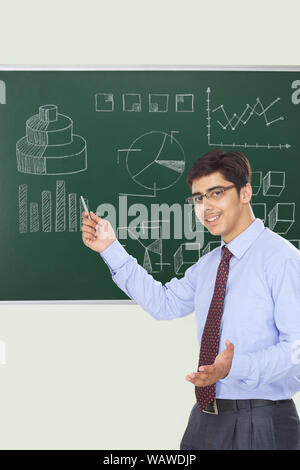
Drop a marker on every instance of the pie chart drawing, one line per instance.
(155, 160)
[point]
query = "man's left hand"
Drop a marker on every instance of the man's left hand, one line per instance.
(210, 374)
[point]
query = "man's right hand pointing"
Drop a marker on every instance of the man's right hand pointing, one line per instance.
(97, 233)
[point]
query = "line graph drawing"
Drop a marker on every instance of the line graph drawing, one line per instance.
(246, 115)
(227, 123)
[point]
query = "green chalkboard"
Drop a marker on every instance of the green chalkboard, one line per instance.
(125, 140)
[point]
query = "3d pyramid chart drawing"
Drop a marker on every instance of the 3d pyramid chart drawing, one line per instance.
(49, 146)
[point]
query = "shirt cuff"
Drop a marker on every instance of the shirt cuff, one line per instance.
(240, 368)
(115, 255)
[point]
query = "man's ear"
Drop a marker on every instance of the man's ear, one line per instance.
(246, 193)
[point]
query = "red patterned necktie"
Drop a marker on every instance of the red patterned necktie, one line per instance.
(211, 334)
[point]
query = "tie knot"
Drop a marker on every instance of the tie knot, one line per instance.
(226, 253)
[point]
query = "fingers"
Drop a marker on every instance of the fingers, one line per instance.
(87, 241)
(93, 221)
(95, 218)
(190, 377)
(94, 227)
(199, 379)
(88, 229)
(88, 236)
(206, 369)
(86, 220)
(229, 345)
(200, 374)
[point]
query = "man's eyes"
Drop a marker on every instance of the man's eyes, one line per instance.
(215, 193)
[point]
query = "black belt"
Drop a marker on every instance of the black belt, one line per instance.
(221, 404)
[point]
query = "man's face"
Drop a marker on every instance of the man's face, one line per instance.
(229, 209)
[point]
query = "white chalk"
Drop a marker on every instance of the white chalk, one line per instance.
(85, 207)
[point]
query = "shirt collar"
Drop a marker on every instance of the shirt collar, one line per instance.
(240, 244)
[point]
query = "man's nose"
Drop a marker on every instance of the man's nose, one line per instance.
(205, 209)
(207, 204)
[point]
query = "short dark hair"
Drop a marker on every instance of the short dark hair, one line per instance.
(234, 166)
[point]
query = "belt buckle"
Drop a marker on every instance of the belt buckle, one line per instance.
(214, 407)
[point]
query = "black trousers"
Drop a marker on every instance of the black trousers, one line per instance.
(273, 427)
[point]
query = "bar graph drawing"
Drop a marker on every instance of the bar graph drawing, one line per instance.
(57, 211)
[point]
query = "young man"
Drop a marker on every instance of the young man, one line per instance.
(246, 297)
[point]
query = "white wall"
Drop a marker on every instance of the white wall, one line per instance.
(109, 376)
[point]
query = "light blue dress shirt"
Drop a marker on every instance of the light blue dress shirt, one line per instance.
(261, 314)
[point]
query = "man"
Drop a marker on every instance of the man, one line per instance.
(246, 297)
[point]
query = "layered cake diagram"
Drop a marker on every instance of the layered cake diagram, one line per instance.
(49, 146)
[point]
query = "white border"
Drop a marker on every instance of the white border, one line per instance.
(208, 68)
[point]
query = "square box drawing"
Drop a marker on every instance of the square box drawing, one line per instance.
(184, 103)
(104, 102)
(132, 102)
(158, 103)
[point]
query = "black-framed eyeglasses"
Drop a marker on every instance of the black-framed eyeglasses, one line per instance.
(215, 194)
